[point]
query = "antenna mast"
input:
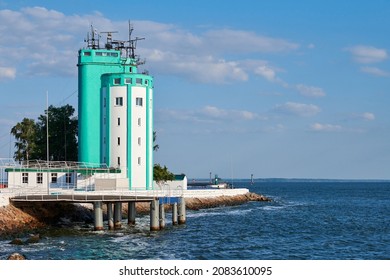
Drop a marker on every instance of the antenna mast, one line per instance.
(92, 39)
(127, 48)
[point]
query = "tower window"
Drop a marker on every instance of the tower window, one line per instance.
(138, 81)
(139, 141)
(139, 160)
(138, 101)
(128, 80)
(131, 69)
(117, 81)
(146, 82)
(119, 121)
(139, 121)
(119, 101)
(119, 141)
(119, 160)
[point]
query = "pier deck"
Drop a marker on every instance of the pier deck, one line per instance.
(81, 198)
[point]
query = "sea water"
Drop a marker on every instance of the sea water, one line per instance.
(306, 220)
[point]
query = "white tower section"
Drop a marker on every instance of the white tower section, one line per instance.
(127, 127)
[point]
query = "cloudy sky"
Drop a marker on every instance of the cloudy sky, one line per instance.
(290, 89)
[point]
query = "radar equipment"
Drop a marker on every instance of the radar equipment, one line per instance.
(127, 48)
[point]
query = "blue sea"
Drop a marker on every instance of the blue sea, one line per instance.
(307, 220)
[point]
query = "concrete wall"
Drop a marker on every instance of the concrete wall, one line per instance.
(171, 185)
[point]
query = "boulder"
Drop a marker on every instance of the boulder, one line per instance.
(16, 256)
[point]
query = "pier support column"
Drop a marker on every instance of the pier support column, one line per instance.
(117, 215)
(162, 216)
(98, 214)
(182, 210)
(110, 216)
(154, 215)
(174, 213)
(131, 213)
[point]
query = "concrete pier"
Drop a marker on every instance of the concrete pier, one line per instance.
(131, 213)
(162, 216)
(98, 214)
(117, 215)
(182, 210)
(110, 216)
(174, 213)
(154, 215)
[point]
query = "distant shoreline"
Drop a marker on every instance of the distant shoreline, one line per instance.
(300, 180)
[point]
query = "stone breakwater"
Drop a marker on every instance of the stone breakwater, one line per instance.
(25, 218)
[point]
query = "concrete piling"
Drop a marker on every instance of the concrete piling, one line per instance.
(110, 216)
(154, 215)
(117, 215)
(131, 213)
(182, 211)
(174, 213)
(98, 214)
(162, 216)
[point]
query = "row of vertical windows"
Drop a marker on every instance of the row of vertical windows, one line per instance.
(138, 81)
(114, 54)
(139, 141)
(119, 101)
(139, 161)
(53, 176)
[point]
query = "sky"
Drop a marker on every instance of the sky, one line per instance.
(277, 89)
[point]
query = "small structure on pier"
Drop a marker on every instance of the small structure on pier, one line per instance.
(72, 182)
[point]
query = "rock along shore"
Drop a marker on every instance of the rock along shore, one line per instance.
(21, 219)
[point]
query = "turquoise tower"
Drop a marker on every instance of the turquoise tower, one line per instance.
(116, 110)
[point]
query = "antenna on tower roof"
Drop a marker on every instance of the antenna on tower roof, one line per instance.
(92, 39)
(133, 45)
(109, 44)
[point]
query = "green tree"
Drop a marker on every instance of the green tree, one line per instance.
(162, 174)
(25, 135)
(155, 146)
(63, 129)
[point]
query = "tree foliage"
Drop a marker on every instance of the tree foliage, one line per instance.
(31, 136)
(25, 135)
(155, 146)
(162, 174)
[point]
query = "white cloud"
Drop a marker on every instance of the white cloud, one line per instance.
(368, 116)
(310, 91)
(45, 42)
(223, 114)
(325, 127)
(7, 73)
(209, 114)
(240, 41)
(298, 109)
(206, 69)
(375, 71)
(266, 72)
(368, 54)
